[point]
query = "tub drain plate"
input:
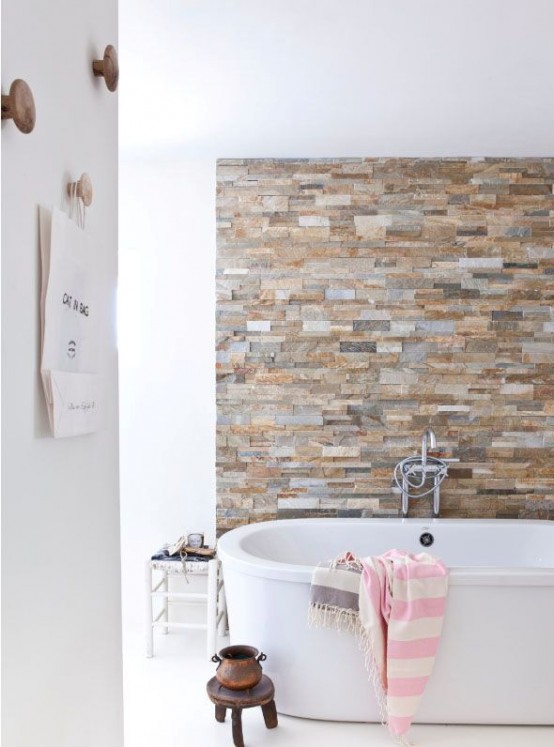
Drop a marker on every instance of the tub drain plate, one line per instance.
(426, 539)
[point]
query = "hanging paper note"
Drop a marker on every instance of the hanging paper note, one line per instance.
(69, 320)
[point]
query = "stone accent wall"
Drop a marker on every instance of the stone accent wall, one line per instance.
(360, 301)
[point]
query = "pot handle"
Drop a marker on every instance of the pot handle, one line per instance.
(216, 659)
(261, 657)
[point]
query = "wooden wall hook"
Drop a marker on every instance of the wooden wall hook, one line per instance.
(19, 105)
(82, 188)
(108, 67)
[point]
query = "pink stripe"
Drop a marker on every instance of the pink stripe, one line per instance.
(399, 724)
(405, 572)
(412, 649)
(400, 687)
(432, 607)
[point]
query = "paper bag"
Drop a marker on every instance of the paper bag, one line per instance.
(69, 324)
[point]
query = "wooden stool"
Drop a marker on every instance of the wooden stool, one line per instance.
(261, 695)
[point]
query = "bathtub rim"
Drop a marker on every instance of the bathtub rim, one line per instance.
(231, 553)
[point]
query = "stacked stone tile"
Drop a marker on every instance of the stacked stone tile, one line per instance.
(360, 301)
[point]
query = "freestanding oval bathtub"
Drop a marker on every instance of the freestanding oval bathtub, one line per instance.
(495, 663)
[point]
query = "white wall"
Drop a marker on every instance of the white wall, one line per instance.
(244, 78)
(61, 634)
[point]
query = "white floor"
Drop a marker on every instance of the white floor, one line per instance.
(166, 706)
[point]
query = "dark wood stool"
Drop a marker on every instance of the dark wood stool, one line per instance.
(261, 695)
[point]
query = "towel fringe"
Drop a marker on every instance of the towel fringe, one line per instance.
(336, 618)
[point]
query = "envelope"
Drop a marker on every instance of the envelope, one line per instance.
(74, 404)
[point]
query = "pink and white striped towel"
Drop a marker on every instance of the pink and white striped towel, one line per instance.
(402, 600)
(397, 615)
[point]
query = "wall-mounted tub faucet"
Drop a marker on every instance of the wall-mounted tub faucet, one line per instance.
(412, 473)
(427, 438)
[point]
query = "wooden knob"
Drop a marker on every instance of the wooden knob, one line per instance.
(19, 105)
(108, 67)
(82, 188)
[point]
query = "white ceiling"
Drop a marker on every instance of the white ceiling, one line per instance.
(373, 76)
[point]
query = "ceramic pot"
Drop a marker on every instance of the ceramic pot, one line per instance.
(239, 667)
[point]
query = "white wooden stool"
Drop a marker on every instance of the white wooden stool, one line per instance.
(158, 588)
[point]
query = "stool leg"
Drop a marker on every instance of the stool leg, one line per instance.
(149, 612)
(237, 727)
(211, 612)
(165, 587)
(270, 714)
(220, 713)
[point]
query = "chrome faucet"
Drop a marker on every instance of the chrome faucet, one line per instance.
(427, 438)
(411, 474)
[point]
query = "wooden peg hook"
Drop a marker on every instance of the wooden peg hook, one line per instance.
(107, 67)
(19, 105)
(82, 188)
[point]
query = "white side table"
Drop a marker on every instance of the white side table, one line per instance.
(157, 587)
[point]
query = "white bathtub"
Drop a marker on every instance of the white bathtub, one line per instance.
(495, 663)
